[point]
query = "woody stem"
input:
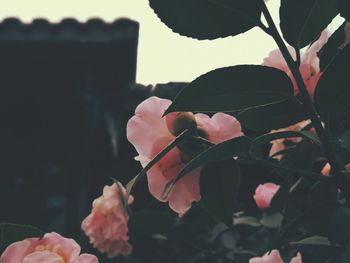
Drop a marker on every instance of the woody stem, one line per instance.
(307, 102)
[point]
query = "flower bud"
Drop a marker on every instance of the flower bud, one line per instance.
(264, 194)
(177, 122)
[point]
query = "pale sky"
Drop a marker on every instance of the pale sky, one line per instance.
(163, 56)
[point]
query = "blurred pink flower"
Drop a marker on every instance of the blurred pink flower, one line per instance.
(149, 133)
(107, 225)
(326, 170)
(274, 257)
(309, 66)
(52, 248)
(281, 144)
(264, 194)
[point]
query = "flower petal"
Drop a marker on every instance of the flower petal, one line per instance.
(87, 258)
(43, 257)
(147, 125)
(67, 247)
(220, 126)
(17, 251)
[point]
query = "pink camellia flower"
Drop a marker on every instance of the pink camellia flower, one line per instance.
(52, 248)
(150, 133)
(309, 66)
(281, 144)
(107, 225)
(274, 257)
(264, 194)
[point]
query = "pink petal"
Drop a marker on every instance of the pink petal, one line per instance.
(264, 194)
(43, 257)
(185, 192)
(326, 170)
(67, 246)
(297, 259)
(157, 182)
(310, 55)
(18, 250)
(276, 60)
(220, 126)
(147, 125)
(165, 170)
(87, 258)
(273, 257)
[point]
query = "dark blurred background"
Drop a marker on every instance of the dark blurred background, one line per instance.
(67, 92)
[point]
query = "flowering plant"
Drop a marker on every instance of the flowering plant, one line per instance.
(250, 162)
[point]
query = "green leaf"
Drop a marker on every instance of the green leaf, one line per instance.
(332, 94)
(273, 116)
(302, 21)
(272, 220)
(312, 241)
(222, 151)
(246, 220)
(208, 19)
(11, 233)
(234, 88)
(219, 184)
(258, 142)
(333, 46)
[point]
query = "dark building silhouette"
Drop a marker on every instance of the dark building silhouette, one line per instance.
(62, 113)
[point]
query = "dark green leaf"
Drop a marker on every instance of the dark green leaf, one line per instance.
(302, 21)
(208, 19)
(280, 199)
(317, 218)
(258, 142)
(186, 232)
(300, 156)
(219, 188)
(219, 152)
(339, 228)
(341, 146)
(344, 8)
(145, 224)
(333, 46)
(312, 241)
(272, 220)
(344, 140)
(246, 220)
(11, 233)
(346, 254)
(273, 116)
(234, 88)
(332, 93)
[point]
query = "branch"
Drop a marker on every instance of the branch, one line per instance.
(307, 102)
